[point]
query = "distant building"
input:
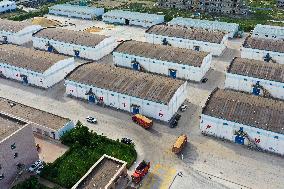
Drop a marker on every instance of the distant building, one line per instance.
(189, 38)
(132, 18)
(268, 32)
(76, 11)
(7, 6)
(16, 32)
(237, 7)
(271, 50)
(111, 169)
(74, 43)
(17, 148)
(257, 77)
(171, 61)
(280, 3)
(230, 28)
(245, 119)
(33, 67)
(136, 92)
(43, 123)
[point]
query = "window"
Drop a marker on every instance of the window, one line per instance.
(276, 137)
(1, 176)
(245, 79)
(15, 155)
(148, 103)
(13, 146)
(183, 67)
(225, 123)
(112, 94)
(258, 132)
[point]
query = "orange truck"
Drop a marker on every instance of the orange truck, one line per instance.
(140, 171)
(179, 144)
(142, 121)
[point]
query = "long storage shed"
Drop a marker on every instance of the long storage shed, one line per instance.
(268, 32)
(74, 43)
(16, 32)
(7, 6)
(171, 61)
(245, 119)
(34, 67)
(154, 96)
(257, 77)
(190, 38)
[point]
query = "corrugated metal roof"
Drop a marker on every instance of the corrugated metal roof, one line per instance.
(264, 44)
(257, 69)
(30, 59)
(162, 52)
(12, 26)
(8, 126)
(125, 81)
(76, 8)
(247, 109)
(187, 33)
(134, 15)
(72, 37)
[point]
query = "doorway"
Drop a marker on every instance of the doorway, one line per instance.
(127, 21)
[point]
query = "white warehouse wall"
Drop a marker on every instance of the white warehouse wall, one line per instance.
(214, 48)
(162, 67)
(257, 54)
(245, 83)
(76, 14)
(125, 102)
(269, 141)
(7, 6)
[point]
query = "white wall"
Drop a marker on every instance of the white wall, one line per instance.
(162, 67)
(125, 102)
(94, 53)
(257, 54)
(245, 83)
(6, 6)
(214, 48)
(269, 141)
(76, 14)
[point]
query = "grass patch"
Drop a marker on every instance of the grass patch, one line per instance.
(85, 149)
(30, 183)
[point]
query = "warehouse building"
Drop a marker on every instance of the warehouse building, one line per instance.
(190, 38)
(33, 67)
(132, 18)
(268, 32)
(280, 3)
(76, 11)
(16, 32)
(230, 28)
(43, 123)
(257, 77)
(74, 43)
(111, 169)
(269, 50)
(17, 148)
(7, 6)
(245, 119)
(166, 60)
(153, 96)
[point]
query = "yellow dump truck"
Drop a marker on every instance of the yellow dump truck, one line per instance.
(179, 144)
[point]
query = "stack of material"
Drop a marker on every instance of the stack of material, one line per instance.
(264, 44)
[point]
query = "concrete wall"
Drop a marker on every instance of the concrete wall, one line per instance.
(162, 67)
(257, 54)
(53, 75)
(27, 154)
(7, 6)
(94, 53)
(124, 102)
(245, 83)
(214, 48)
(268, 141)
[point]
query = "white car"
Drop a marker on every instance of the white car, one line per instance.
(183, 107)
(39, 169)
(35, 165)
(91, 119)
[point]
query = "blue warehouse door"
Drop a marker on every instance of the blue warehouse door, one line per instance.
(92, 98)
(25, 80)
(135, 66)
(49, 48)
(240, 139)
(173, 73)
(77, 53)
(135, 109)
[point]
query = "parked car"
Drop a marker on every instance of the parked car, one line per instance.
(177, 117)
(35, 165)
(173, 123)
(39, 169)
(183, 107)
(91, 119)
(126, 141)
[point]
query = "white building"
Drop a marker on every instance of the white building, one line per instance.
(230, 28)
(263, 49)
(269, 32)
(74, 43)
(132, 18)
(34, 67)
(43, 123)
(190, 38)
(257, 77)
(245, 119)
(7, 6)
(76, 11)
(16, 32)
(171, 61)
(280, 3)
(136, 92)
